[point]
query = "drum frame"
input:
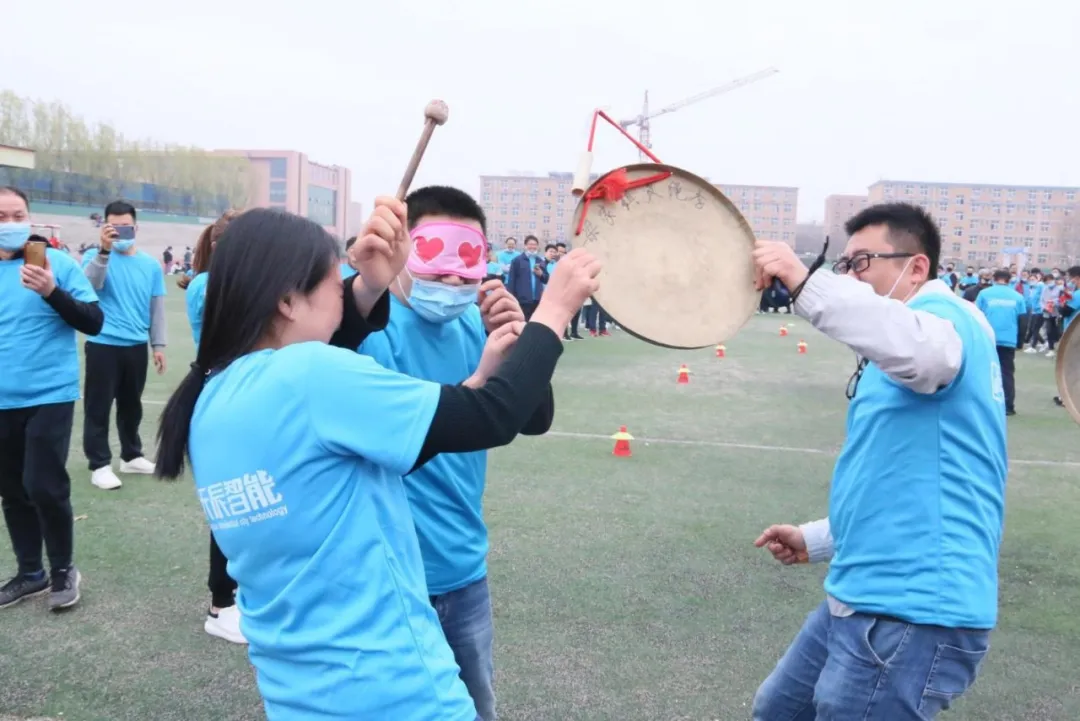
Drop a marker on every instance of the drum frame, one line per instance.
(667, 171)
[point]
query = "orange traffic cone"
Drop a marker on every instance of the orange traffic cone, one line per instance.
(622, 443)
(783, 331)
(720, 350)
(802, 346)
(684, 375)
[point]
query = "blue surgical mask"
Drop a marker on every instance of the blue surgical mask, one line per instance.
(531, 253)
(122, 246)
(13, 236)
(438, 302)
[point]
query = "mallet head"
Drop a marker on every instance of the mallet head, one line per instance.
(437, 111)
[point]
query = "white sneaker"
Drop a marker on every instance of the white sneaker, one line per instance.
(137, 465)
(226, 625)
(1029, 349)
(105, 479)
(1051, 354)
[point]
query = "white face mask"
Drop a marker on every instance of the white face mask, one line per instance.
(897, 282)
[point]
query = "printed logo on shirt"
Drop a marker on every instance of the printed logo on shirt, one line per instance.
(242, 501)
(996, 388)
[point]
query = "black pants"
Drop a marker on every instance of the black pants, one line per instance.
(1053, 332)
(35, 489)
(113, 373)
(1007, 359)
(595, 319)
(221, 585)
(1035, 324)
(529, 308)
(574, 324)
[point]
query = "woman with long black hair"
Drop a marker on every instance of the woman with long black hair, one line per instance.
(298, 449)
(223, 617)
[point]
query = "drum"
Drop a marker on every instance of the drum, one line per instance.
(677, 265)
(1068, 370)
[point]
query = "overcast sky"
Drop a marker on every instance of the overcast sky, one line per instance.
(948, 90)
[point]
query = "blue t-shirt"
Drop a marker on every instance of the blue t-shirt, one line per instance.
(297, 456)
(195, 298)
(1034, 293)
(1003, 308)
(494, 268)
(446, 494)
(39, 359)
(347, 271)
(550, 269)
(506, 257)
(917, 500)
(130, 282)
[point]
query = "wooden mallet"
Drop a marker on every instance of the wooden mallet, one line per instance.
(436, 113)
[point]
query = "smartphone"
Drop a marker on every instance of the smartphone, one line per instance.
(34, 253)
(124, 232)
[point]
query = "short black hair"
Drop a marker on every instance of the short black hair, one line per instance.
(560, 244)
(1034, 271)
(444, 200)
(1073, 271)
(349, 243)
(530, 237)
(911, 229)
(12, 190)
(551, 246)
(120, 207)
(1002, 275)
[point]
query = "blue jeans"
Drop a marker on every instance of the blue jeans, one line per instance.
(465, 616)
(870, 668)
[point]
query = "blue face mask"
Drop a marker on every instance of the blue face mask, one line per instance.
(438, 302)
(13, 236)
(122, 245)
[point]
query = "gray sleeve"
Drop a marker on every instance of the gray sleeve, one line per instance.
(819, 540)
(157, 321)
(95, 271)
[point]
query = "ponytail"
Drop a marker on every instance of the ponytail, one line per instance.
(174, 428)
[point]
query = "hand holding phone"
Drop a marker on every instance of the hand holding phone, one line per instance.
(38, 278)
(34, 253)
(124, 232)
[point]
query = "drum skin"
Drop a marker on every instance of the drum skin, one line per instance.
(1068, 370)
(677, 259)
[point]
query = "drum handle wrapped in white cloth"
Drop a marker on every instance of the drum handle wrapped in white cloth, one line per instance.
(581, 175)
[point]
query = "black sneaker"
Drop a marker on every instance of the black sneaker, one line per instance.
(1058, 401)
(22, 587)
(576, 336)
(65, 589)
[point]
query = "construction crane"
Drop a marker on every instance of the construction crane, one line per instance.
(642, 121)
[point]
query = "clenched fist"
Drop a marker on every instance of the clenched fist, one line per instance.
(382, 247)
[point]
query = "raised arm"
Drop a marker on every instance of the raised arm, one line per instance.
(914, 348)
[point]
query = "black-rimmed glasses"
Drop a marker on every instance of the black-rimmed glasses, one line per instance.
(853, 382)
(861, 261)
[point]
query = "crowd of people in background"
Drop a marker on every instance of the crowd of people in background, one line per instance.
(526, 273)
(1029, 310)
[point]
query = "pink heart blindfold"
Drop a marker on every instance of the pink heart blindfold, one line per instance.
(448, 249)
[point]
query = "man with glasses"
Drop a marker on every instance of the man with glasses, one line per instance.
(917, 495)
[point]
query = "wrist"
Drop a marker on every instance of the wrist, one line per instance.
(365, 297)
(554, 317)
(474, 381)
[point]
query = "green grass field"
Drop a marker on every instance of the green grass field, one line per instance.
(623, 588)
